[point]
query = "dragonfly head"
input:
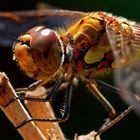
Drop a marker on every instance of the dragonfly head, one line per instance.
(39, 49)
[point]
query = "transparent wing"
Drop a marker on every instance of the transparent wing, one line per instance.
(15, 23)
(126, 50)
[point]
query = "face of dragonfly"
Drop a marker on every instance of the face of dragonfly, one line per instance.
(39, 52)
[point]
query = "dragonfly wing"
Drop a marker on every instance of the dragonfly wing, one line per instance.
(127, 62)
(15, 23)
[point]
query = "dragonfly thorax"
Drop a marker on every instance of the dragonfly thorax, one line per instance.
(90, 43)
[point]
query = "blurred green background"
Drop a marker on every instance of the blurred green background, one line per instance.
(129, 9)
(86, 113)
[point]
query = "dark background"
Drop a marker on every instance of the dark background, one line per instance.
(86, 113)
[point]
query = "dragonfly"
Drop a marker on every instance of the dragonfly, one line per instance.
(89, 44)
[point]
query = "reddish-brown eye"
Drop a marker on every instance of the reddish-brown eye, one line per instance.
(46, 49)
(39, 52)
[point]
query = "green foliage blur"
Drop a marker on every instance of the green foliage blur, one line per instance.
(86, 113)
(129, 9)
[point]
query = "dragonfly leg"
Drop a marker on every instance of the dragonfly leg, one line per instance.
(109, 108)
(107, 86)
(114, 121)
(30, 98)
(65, 115)
(31, 87)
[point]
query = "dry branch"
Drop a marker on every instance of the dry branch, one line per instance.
(41, 110)
(17, 114)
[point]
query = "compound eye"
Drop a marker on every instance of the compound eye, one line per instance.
(46, 49)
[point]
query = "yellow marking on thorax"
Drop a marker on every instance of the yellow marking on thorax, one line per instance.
(87, 25)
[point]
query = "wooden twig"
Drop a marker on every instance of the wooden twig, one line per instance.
(17, 114)
(41, 110)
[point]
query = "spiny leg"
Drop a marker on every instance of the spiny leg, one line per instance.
(64, 116)
(31, 87)
(34, 85)
(108, 125)
(109, 108)
(29, 98)
(107, 86)
(114, 121)
(118, 118)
